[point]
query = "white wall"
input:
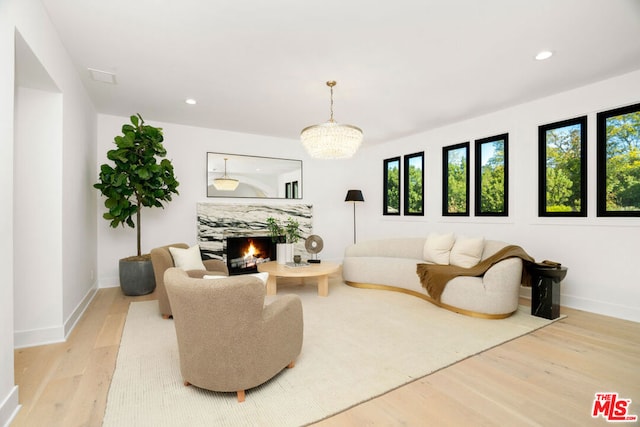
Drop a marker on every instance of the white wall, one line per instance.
(76, 213)
(8, 390)
(39, 319)
(600, 253)
(324, 186)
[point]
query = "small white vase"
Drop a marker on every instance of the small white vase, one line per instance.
(284, 253)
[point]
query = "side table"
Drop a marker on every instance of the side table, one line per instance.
(545, 290)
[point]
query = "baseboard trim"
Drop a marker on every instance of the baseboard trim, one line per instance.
(109, 282)
(593, 306)
(56, 334)
(601, 307)
(33, 337)
(79, 311)
(9, 407)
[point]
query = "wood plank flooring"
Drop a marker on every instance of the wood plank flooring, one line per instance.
(546, 378)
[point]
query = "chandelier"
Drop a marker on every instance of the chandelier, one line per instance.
(225, 183)
(331, 140)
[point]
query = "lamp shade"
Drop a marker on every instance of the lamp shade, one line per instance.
(354, 196)
(225, 184)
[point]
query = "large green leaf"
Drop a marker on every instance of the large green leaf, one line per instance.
(138, 176)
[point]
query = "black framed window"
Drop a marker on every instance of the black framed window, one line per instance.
(619, 161)
(562, 168)
(414, 184)
(455, 180)
(391, 185)
(492, 176)
(295, 189)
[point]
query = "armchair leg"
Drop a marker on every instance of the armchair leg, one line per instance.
(166, 316)
(240, 396)
(292, 364)
(187, 383)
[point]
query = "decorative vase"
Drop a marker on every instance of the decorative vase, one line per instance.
(284, 253)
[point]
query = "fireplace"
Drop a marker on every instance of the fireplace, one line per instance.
(244, 253)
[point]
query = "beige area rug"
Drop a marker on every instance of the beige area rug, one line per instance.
(358, 344)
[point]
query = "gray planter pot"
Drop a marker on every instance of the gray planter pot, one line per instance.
(136, 277)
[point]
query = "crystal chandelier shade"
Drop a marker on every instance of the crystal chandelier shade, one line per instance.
(331, 140)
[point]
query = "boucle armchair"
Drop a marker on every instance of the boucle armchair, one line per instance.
(228, 340)
(162, 260)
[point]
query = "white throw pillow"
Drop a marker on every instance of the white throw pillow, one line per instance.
(262, 276)
(187, 259)
(437, 248)
(467, 251)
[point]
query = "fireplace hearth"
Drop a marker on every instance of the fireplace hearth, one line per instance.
(244, 253)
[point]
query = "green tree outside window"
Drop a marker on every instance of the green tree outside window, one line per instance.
(619, 162)
(562, 168)
(414, 184)
(491, 179)
(456, 180)
(391, 186)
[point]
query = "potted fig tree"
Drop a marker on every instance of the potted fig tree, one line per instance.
(138, 177)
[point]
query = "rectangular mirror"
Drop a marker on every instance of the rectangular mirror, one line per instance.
(253, 176)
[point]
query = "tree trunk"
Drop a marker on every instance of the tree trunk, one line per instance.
(138, 224)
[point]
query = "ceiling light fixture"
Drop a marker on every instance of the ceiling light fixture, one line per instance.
(225, 183)
(331, 140)
(190, 101)
(102, 76)
(545, 54)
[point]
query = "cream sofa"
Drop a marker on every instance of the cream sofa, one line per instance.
(391, 264)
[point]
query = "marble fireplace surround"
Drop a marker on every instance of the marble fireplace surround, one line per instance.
(217, 221)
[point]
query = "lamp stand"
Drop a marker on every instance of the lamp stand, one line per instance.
(354, 223)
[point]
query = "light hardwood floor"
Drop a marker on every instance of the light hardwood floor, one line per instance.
(546, 378)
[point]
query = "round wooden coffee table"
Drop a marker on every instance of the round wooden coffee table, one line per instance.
(321, 271)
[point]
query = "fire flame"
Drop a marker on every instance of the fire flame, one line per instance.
(251, 252)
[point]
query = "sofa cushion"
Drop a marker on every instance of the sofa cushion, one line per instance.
(466, 251)
(437, 248)
(187, 259)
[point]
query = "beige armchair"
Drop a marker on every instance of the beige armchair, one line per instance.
(228, 340)
(162, 260)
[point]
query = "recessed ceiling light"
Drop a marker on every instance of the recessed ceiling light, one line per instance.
(545, 54)
(190, 101)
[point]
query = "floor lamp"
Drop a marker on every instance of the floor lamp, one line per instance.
(354, 196)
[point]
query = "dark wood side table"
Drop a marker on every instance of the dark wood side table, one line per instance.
(545, 290)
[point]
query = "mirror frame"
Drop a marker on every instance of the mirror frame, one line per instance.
(260, 177)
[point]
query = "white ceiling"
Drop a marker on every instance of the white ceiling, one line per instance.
(402, 66)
